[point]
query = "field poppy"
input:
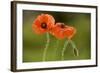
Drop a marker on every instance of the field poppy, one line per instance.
(61, 31)
(58, 30)
(69, 32)
(43, 23)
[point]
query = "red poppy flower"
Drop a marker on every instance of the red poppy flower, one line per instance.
(43, 23)
(69, 32)
(58, 30)
(61, 31)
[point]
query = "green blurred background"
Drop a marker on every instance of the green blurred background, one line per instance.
(33, 44)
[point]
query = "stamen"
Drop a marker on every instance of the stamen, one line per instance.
(44, 25)
(62, 25)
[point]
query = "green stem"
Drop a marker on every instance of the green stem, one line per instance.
(75, 50)
(46, 46)
(56, 47)
(63, 50)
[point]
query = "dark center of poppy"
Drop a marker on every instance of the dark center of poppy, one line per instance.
(44, 25)
(62, 25)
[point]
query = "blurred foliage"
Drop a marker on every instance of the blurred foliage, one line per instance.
(33, 44)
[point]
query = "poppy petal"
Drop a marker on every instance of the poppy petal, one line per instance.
(58, 31)
(70, 32)
(43, 23)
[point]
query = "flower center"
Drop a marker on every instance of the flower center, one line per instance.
(44, 25)
(62, 25)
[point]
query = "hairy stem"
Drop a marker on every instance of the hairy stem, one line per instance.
(75, 50)
(46, 46)
(63, 50)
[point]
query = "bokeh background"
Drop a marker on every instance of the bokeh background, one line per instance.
(33, 44)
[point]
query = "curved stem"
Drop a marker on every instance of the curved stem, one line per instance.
(63, 50)
(46, 46)
(75, 50)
